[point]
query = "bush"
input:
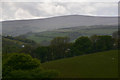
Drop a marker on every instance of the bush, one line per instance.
(35, 73)
(22, 61)
(24, 66)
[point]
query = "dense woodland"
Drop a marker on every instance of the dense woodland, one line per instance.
(22, 57)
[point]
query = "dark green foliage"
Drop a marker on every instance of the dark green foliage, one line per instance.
(22, 61)
(28, 49)
(24, 66)
(19, 61)
(59, 40)
(82, 45)
(31, 74)
(93, 44)
(94, 38)
(116, 37)
(59, 46)
(10, 46)
(104, 43)
(43, 53)
(14, 44)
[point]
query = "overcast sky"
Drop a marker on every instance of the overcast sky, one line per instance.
(13, 10)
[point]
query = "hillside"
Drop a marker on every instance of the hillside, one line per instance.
(14, 44)
(19, 27)
(97, 65)
(73, 33)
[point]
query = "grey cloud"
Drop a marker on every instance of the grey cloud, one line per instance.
(60, 0)
(28, 6)
(45, 9)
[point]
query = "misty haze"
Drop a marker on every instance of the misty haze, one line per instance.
(59, 40)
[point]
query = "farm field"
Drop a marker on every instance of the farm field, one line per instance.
(96, 65)
(73, 34)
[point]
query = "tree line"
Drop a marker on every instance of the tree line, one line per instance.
(61, 47)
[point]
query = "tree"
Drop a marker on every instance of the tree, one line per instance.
(116, 37)
(104, 42)
(82, 45)
(24, 66)
(94, 39)
(58, 47)
(43, 53)
(19, 61)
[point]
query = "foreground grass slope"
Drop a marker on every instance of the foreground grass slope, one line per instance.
(97, 65)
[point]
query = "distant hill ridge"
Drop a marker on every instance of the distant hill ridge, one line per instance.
(18, 27)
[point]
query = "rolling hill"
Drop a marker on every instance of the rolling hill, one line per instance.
(14, 44)
(19, 27)
(73, 33)
(97, 65)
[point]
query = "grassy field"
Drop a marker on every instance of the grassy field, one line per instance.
(72, 33)
(0, 64)
(97, 65)
(45, 36)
